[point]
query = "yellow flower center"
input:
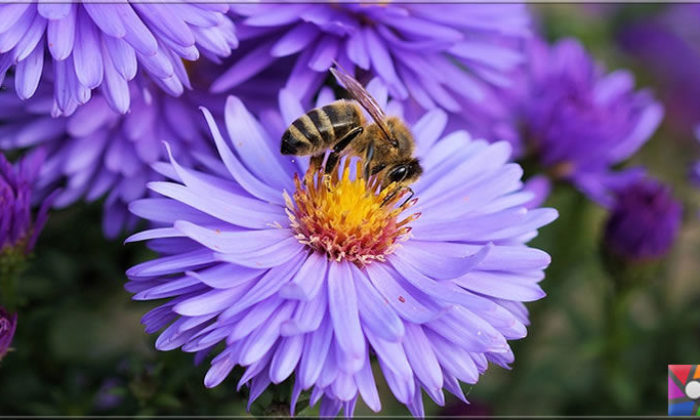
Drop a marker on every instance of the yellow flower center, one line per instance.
(346, 218)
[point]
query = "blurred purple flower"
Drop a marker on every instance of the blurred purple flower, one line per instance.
(447, 56)
(579, 121)
(8, 325)
(245, 262)
(18, 228)
(102, 45)
(98, 151)
(644, 221)
(667, 44)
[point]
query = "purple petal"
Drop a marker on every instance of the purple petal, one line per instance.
(272, 256)
(421, 357)
(218, 372)
(245, 67)
(10, 14)
(278, 16)
(367, 387)
(313, 358)
(309, 315)
(171, 264)
(158, 64)
(453, 359)
(503, 285)
(242, 176)
(268, 285)
(232, 242)
(87, 58)
(357, 51)
(407, 306)
(428, 129)
(382, 62)
(258, 344)
(234, 214)
(60, 35)
(165, 21)
(30, 40)
(401, 387)
(162, 210)
(308, 280)
(224, 276)
(286, 358)
(28, 73)
(115, 87)
(377, 315)
(324, 54)
(342, 304)
(440, 267)
(103, 15)
(137, 34)
(253, 146)
(294, 41)
(123, 56)
(10, 38)
(253, 318)
(391, 354)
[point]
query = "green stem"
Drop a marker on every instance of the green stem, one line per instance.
(12, 264)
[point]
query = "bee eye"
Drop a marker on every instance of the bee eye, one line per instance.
(398, 174)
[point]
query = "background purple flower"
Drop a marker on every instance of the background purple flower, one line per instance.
(99, 152)
(435, 312)
(447, 57)
(19, 229)
(8, 325)
(644, 221)
(104, 45)
(579, 121)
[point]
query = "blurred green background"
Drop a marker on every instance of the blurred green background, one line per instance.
(80, 348)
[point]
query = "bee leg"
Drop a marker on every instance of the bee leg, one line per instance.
(397, 190)
(316, 161)
(339, 147)
(368, 159)
(390, 196)
(410, 196)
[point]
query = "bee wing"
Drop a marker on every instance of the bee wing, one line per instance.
(360, 94)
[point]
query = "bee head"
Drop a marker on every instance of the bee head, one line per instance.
(404, 173)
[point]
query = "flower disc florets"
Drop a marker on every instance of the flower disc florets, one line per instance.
(347, 218)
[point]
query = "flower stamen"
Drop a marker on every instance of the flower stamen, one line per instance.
(347, 218)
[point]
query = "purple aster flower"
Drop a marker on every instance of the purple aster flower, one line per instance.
(18, 228)
(8, 325)
(428, 57)
(296, 274)
(99, 152)
(644, 221)
(104, 45)
(580, 121)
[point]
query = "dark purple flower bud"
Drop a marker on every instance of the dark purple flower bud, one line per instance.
(18, 229)
(8, 324)
(644, 221)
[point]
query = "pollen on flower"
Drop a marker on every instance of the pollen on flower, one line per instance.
(346, 218)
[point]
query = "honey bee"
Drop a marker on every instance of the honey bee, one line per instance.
(386, 144)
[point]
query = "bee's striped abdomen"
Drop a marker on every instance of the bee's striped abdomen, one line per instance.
(321, 128)
(308, 130)
(343, 117)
